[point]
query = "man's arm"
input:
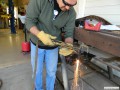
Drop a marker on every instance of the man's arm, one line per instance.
(44, 37)
(69, 27)
(34, 30)
(69, 40)
(32, 14)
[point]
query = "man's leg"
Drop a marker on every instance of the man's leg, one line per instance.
(51, 59)
(39, 70)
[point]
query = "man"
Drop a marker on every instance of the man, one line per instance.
(44, 19)
(22, 17)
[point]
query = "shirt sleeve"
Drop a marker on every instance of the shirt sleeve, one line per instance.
(70, 25)
(32, 13)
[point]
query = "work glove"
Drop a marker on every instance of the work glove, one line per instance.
(66, 49)
(46, 38)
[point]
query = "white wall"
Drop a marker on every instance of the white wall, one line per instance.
(107, 9)
(80, 8)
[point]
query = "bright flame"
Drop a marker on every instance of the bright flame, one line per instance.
(75, 85)
(77, 61)
(76, 73)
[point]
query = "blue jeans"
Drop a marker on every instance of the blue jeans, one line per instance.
(51, 59)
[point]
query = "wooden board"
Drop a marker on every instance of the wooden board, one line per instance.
(100, 40)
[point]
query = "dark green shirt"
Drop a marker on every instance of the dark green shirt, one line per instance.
(40, 13)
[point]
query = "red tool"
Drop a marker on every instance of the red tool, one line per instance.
(93, 28)
(25, 44)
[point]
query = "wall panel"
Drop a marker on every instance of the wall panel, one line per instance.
(108, 9)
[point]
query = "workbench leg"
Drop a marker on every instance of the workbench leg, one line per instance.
(0, 84)
(110, 73)
(64, 73)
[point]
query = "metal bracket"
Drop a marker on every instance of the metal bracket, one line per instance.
(1, 83)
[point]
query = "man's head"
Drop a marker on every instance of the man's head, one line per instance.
(66, 4)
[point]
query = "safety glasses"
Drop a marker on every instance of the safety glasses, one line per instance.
(67, 4)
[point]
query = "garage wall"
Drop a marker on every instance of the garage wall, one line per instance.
(80, 8)
(108, 9)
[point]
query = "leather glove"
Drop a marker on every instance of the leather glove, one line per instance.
(46, 38)
(66, 49)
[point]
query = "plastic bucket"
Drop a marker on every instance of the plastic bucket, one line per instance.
(25, 46)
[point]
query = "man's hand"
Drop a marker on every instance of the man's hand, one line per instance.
(46, 38)
(66, 49)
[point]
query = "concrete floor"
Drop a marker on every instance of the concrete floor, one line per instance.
(15, 68)
(10, 48)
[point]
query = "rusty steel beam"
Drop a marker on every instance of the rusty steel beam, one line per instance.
(103, 41)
